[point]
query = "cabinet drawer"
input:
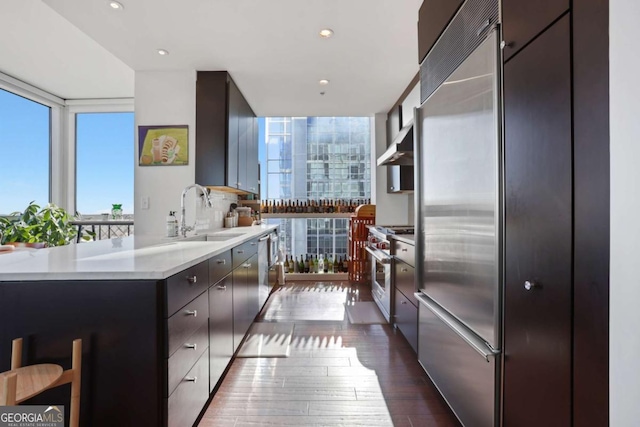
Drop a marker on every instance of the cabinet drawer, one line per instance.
(404, 280)
(185, 286)
(219, 266)
(465, 378)
(244, 251)
(185, 322)
(186, 356)
(406, 319)
(405, 252)
(188, 399)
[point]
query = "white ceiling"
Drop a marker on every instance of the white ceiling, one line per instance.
(271, 48)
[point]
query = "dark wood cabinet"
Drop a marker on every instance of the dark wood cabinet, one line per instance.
(220, 328)
(538, 176)
(186, 402)
(245, 298)
(234, 110)
(154, 349)
(525, 19)
(433, 17)
(226, 140)
(394, 122)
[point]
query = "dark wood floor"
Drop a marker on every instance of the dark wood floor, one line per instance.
(337, 373)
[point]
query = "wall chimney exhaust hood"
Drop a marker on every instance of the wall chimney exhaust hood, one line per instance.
(400, 151)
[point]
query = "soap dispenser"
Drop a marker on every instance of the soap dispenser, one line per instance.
(172, 225)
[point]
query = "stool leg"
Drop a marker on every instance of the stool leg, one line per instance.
(16, 353)
(9, 385)
(76, 366)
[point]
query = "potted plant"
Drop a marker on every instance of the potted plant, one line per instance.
(36, 227)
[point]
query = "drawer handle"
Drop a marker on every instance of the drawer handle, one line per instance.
(221, 261)
(193, 346)
(191, 379)
(404, 270)
(403, 302)
(529, 285)
(240, 251)
(192, 279)
(193, 313)
(253, 243)
(404, 249)
(246, 265)
(222, 287)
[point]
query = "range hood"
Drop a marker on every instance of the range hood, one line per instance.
(400, 152)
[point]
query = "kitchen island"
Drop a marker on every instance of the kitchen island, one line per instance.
(142, 308)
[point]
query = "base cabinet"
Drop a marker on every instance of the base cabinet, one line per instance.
(186, 402)
(153, 349)
(245, 298)
(406, 319)
(220, 328)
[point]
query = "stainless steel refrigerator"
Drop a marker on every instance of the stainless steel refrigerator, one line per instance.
(459, 235)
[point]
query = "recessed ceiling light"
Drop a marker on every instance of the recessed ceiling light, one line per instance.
(115, 5)
(325, 33)
(163, 52)
(323, 82)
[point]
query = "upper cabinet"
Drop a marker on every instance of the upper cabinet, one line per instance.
(433, 18)
(523, 20)
(226, 135)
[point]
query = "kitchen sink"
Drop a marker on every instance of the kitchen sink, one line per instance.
(222, 237)
(213, 237)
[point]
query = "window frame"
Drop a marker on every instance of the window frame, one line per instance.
(62, 133)
(87, 106)
(56, 107)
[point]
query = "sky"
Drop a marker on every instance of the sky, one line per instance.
(105, 157)
(24, 150)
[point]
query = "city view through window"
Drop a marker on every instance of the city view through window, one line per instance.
(315, 159)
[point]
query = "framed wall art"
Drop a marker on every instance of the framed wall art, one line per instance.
(163, 145)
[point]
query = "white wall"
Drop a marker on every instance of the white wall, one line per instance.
(391, 209)
(625, 212)
(169, 98)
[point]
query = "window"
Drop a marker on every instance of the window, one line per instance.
(104, 162)
(25, 144)
(315, 158)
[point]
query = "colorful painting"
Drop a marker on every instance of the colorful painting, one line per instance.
(163, 145)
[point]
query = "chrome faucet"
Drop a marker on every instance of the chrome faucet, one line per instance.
(183, 223)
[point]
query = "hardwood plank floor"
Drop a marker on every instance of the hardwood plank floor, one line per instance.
(337, 373)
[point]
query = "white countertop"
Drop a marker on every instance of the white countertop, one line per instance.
(125, 258)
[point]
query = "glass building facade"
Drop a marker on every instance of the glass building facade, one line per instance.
(316, 158)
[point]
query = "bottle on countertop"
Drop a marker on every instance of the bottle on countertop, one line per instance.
(172, 225)
(325, 264)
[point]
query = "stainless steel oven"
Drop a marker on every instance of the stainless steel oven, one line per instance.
(379, 249)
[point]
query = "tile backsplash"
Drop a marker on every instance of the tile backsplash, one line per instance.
(209, 219)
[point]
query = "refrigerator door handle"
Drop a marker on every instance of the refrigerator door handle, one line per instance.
(378, 255)
(476, 343)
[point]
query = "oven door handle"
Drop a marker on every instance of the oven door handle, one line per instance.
(380, 256)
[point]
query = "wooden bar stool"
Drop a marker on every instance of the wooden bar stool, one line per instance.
(22, 383)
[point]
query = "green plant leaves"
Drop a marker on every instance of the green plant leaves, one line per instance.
(50, 225)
